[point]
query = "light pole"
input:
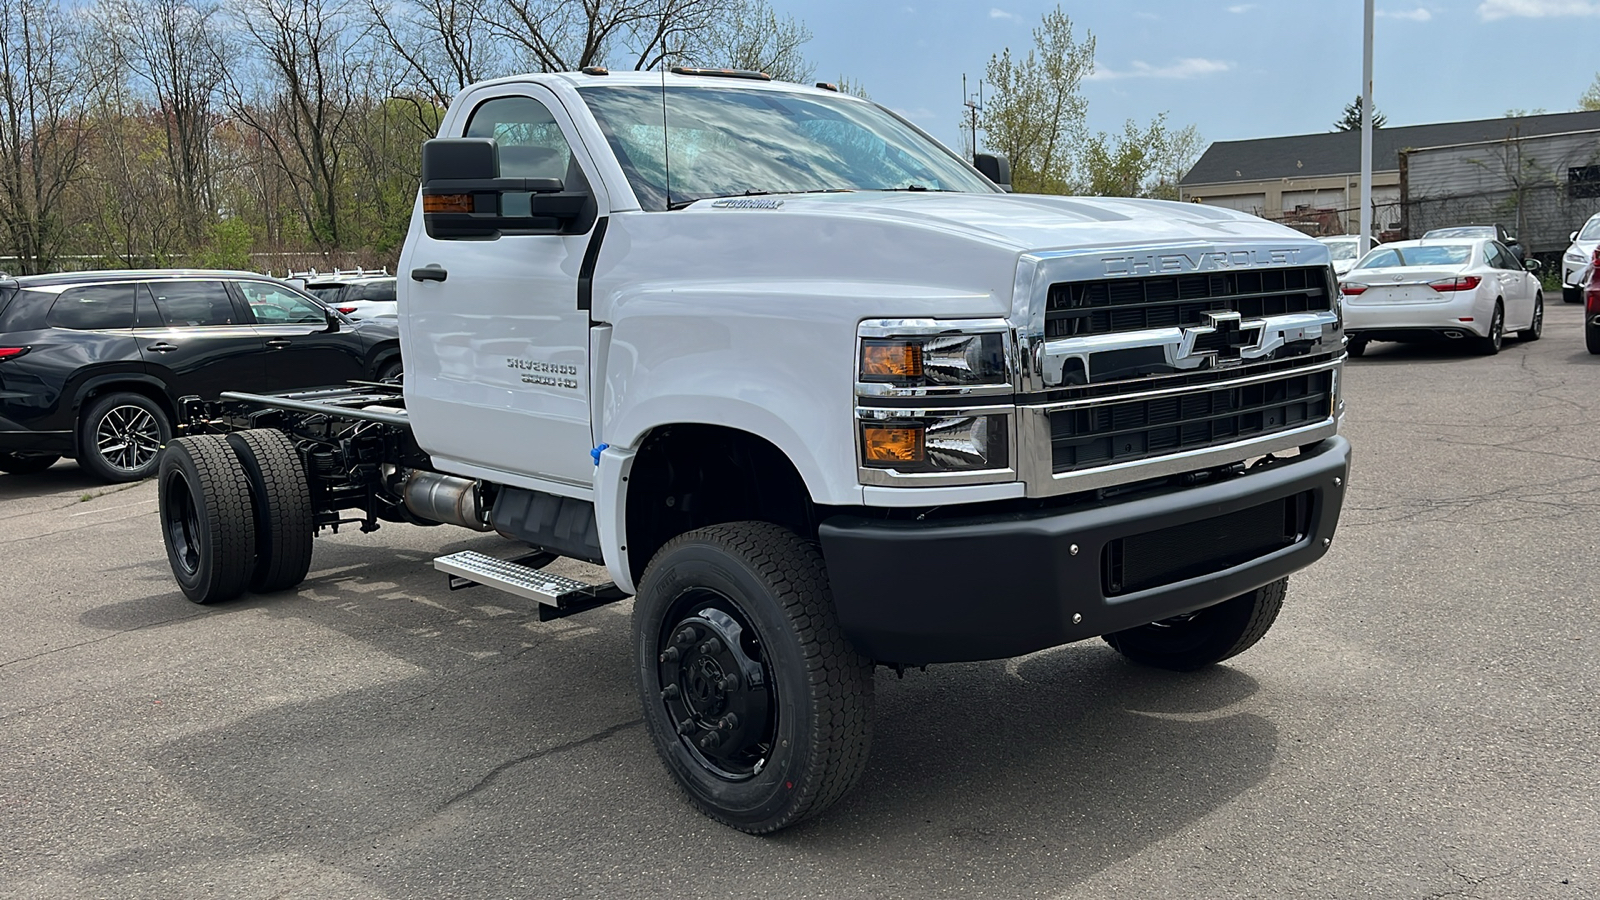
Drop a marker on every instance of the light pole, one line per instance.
(1366, 131)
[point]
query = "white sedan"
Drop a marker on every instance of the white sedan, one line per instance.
(1472, 291)
(1575, 262)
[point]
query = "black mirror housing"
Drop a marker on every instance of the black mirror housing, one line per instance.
(463, 195)
(994, 167)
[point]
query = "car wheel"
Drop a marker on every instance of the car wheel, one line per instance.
(391, 371)
(1490, 345)
(121, 435)
(1204, 637)
(1571, 294)
(1356, 347)
(207, 520)
(26, 463)
(758, 705)
(1591, 337)
(282, 500)
(1537, 327)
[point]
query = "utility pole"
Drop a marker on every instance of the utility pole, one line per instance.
(1366, 131)
(972, 111)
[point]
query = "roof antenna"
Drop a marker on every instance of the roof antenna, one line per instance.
(666, 156)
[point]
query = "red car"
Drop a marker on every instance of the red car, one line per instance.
(1591, 305)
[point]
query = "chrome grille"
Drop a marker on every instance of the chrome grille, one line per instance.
(1117, 305)
(1111, 432)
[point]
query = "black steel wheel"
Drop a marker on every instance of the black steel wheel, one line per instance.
(207, 519)
(1536, 328)
(1490, 345)
(756, 702)
(1204, 637)
(281, 496)
(26, 463)
(120, 437)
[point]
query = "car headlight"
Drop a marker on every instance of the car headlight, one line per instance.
(930, 443)
(941, 360)
(1574, 258)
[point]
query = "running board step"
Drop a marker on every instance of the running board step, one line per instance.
(557, 595)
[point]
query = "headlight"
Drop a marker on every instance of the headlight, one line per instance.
(942, 360)
(1575, 258)
(936, 444)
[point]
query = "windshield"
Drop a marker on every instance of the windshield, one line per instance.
(1341, 249)
(1591, 230)
(726, 142)
(1462, 231)
(1433, 255)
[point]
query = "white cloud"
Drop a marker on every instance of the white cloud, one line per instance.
(1184, 68)
(1002, 14)
(1420, 14)
(1489, 10)
(1241, 8)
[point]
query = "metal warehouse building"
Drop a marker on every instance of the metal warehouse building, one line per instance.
(1484, 171)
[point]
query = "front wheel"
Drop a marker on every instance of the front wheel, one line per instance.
(1535, 329)
(1591, 337)
(121, 435)
(1357, 348)
(1204, 637)
(1571, 294)
(755, 700)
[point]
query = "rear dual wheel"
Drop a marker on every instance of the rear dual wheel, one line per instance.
(235, 513)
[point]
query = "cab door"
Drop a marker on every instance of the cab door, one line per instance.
(496, 346)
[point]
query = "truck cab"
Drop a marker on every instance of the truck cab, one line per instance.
(820, 396)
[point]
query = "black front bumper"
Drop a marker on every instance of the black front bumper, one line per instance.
(999, 586)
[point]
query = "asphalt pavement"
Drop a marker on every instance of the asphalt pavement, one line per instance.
(1421, 722)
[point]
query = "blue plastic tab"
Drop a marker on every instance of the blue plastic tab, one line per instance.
(595, 453)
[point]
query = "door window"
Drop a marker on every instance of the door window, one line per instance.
(189, 303)
(273, 305)
(1499, 257)
(531, 142)
(95, 307)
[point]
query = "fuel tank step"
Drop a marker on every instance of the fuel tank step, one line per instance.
(556, 595)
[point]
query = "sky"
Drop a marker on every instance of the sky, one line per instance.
(1235, 70)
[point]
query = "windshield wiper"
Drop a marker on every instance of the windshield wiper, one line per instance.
(920, 189)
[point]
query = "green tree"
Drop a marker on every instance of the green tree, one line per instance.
(1035, 114)
(1350, 120)
(1139, 162)
(1591, 97)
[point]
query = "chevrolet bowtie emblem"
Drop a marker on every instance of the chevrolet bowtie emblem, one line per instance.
(1223, 336)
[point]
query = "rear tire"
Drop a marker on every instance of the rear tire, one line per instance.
(1536, 329)
(26, 463)
(1490, 345)
(120, 437)
(281, 496)
(1204, 637)
(1591, 337)
(390, 371)
(788, 734)
(207, 519)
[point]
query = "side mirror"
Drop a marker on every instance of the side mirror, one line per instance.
(1573, 236)
(463, 195)
(1533, 265)
(333, 321)
(994, 167)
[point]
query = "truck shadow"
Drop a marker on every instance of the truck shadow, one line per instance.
(506, 752)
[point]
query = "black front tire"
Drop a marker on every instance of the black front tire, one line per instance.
(1490, 345)
(1205, 637)
(1535, 330)
(1357, 348)
(26, 463)
(1591, 337)
(281, 496)
(120, 437)
(789, 734)
(208, 522)
(1571, 294)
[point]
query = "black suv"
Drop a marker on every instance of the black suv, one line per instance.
(92, 363)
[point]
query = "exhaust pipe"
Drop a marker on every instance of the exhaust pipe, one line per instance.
(445, 498)
(1453, 335)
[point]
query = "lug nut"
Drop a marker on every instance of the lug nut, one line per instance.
(729, 683)
(686, 636)
(728, 722)
(669, 692)
(669, 655)
(686, 726)
(709, 740)
(711, 647)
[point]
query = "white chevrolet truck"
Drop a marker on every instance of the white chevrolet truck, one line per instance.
(819, 396)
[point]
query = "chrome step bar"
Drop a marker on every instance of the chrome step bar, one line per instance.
(556, 595)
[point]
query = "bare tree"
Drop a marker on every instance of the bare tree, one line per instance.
(751, 36)
(43, 108)
(169, 49)
(442, 45)
(561, 35)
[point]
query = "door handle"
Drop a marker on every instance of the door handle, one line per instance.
(429, 272)
(161, 347)
(278, 343)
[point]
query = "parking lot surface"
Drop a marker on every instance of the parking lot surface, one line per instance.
(1423, 720)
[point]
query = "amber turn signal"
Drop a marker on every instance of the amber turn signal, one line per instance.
(890, 360)
(447, 203)
(890, 444)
